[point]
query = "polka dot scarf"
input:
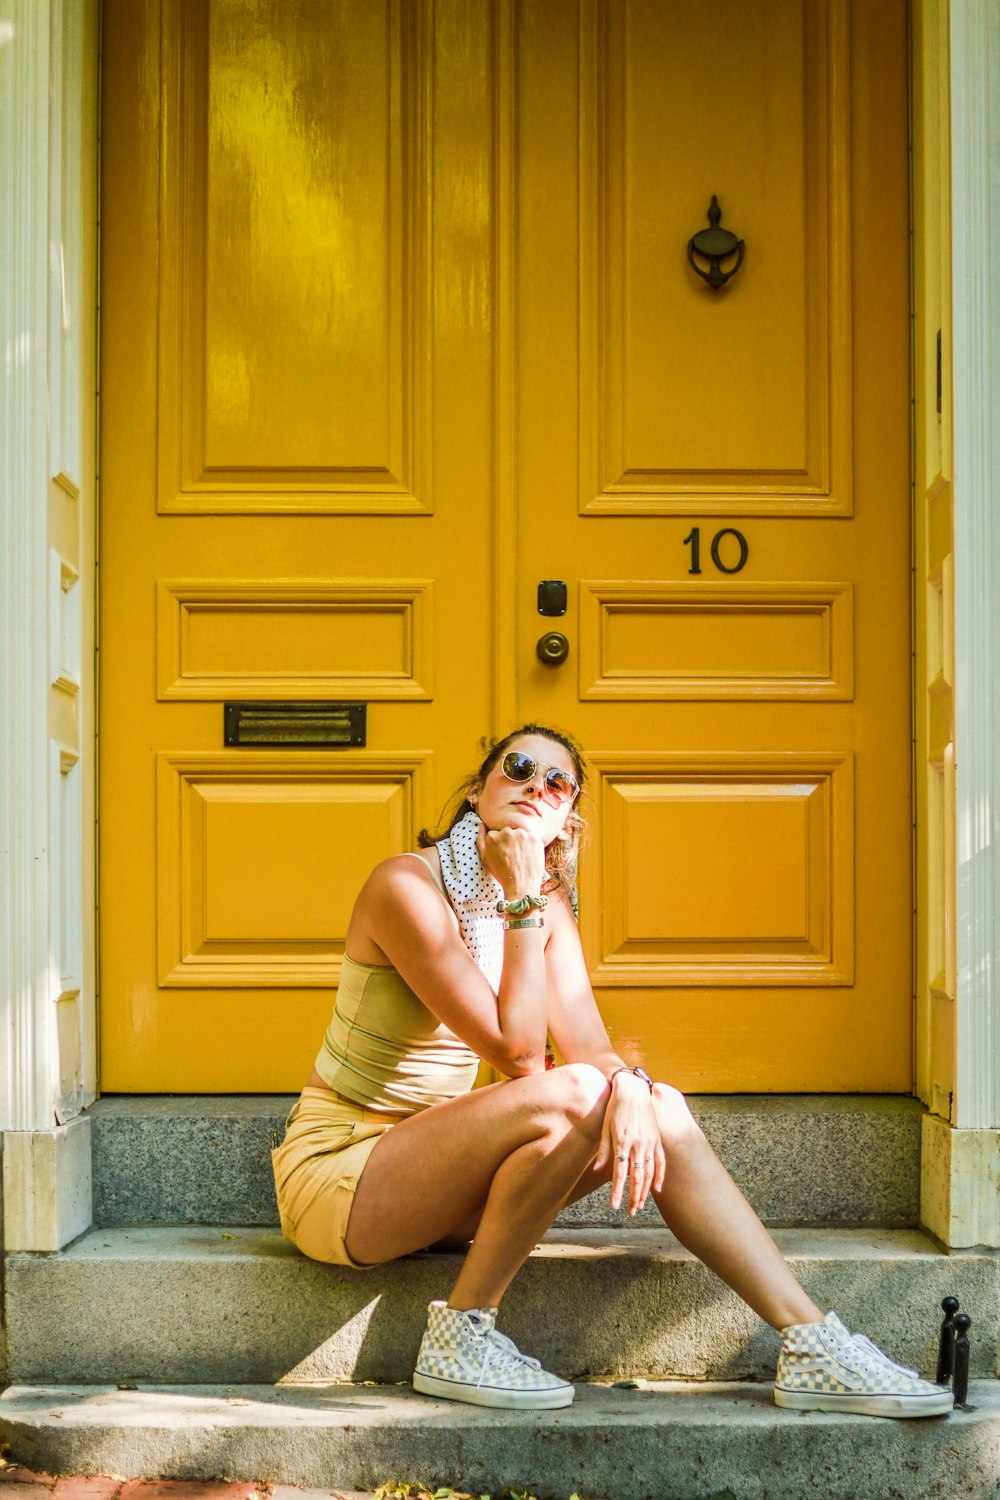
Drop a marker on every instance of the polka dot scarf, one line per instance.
(474, 894)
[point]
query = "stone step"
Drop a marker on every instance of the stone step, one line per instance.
(824, 1160)
(201, 1304)
(660, 1443)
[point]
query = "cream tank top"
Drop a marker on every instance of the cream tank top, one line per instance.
(385, 1050)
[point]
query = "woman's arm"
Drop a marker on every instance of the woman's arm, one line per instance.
(631, 1138)
(401, 912)
(575, 1023)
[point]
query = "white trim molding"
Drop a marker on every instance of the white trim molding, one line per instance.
(975, 135)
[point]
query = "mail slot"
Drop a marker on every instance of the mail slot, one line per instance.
(301, 724)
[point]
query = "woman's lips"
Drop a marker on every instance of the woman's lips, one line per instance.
(529, 807)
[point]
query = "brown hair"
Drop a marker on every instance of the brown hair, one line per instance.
(560, 856)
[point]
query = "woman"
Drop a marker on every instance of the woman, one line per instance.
(469, 950)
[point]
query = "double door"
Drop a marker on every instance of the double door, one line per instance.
(399, 323)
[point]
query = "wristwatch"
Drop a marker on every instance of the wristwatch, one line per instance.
(639, 1073)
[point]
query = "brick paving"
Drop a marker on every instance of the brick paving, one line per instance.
(17, 1483)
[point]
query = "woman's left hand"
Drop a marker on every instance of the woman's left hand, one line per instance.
(631, 1142)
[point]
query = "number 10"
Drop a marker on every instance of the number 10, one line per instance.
(693, 539)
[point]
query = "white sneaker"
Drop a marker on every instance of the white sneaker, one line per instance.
(463, 1358)
(822, 1367)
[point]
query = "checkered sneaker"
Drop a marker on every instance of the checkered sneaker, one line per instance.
(463, 1358)
(822, 1367)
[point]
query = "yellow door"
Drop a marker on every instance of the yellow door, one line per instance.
(398, 321)
(722, 480)
(296, 440)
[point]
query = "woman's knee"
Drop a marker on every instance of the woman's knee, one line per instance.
(678, 1126)
(580, 1092)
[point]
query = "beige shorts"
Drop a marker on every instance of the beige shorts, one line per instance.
(328, 1141)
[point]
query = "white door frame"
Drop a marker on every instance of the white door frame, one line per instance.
(48, 52)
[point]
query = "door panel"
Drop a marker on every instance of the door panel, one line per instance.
(398, 320)
(655, 640)
(753, 100)
(296, 371)
(712, 921)
(355, 638)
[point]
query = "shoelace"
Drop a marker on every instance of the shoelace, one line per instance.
(877, 1357)
(503, 1357)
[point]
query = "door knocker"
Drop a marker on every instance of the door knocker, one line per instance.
(715, 245)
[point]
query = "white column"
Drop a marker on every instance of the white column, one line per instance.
(26, 1011)
(46, 1164)
(975, 135)
(960, 1194)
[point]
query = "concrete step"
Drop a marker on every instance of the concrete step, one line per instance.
(661, 1443)
(201, 1304)
(824, 1160)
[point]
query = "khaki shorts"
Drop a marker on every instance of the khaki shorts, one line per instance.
(328, 1141)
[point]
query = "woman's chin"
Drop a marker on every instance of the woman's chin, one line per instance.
(517, 817)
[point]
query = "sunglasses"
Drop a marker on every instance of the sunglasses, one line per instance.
(559, 785)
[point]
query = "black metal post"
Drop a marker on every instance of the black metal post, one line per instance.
(960, 1380)
(946, 1343)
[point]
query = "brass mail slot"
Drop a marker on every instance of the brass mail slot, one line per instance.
(304, 724)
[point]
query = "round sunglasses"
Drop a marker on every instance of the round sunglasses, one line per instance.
(559, 785)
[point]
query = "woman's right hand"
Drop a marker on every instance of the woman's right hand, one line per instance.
(515, 857)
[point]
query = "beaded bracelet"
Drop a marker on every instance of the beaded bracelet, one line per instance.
(521, 905)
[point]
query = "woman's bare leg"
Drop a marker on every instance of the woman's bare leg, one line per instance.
(509, 1153)
(705, 1209)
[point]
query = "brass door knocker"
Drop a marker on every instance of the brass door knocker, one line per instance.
(715, 245)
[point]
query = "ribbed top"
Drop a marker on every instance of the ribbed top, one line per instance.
(385, 1050)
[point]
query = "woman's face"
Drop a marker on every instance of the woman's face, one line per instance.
(502, 803)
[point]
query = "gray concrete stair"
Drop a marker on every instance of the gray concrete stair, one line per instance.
(186, 1280)
(661, 1443)
(189, 1304)
(823, 1160)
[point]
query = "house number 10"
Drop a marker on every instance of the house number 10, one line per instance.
(693, 540)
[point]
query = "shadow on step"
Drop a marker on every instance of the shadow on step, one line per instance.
(600, 1314)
